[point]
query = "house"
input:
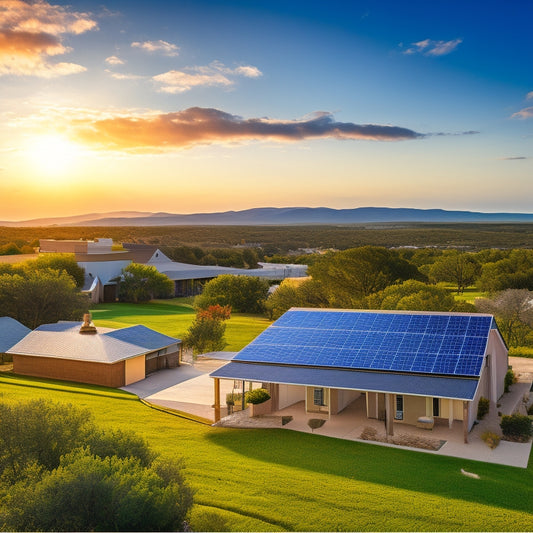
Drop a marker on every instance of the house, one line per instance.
(75, 351)
(411, 367)
(11, 332)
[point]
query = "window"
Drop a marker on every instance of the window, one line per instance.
(399, 407)
(436, 411)
(318, 396)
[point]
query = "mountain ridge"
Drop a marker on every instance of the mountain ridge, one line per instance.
(274, 216)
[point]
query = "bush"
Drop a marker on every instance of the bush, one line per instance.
(482, 408)
(257, 396)
(509, 379)
(491, 439)
(530, 410)
(516, 427)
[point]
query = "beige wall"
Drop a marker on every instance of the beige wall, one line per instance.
(311, 407)
(289, 395)
(413, 408)
(135, 369)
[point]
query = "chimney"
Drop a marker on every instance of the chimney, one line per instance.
(87, 327)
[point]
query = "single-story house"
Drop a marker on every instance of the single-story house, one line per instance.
(75, 351)
(11, 332)
(412, 367)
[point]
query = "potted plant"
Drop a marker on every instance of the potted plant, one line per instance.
(259, 401)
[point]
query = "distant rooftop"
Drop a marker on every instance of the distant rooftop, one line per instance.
(11, 332)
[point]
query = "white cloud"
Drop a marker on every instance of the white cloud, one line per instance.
(114, 60)
(429, 47)
(120, 76)
(527, 112)
(529, 95)
(214, 74)
(30, 33)
(167, 49)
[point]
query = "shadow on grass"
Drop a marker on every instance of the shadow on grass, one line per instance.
(499, 486)
(9, 378)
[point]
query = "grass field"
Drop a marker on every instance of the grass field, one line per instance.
(173, 317)
(283, 480)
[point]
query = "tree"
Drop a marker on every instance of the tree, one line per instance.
(206, 333)
(412, 295)
(349, 276)
(244, 294)
(59, 262)
(36, 297)
(512, 272)
(72, 476)
(513, 311)
(295, 293)
(141, 283)
(456, 267)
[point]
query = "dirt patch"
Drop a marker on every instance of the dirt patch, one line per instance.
(412, 441)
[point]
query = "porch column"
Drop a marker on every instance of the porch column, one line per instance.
(216, 405)
(465, 421)
(389, 417)
(450, 413)
(243, 401)
(429, 407)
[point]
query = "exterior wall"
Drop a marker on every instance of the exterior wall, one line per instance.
(498, 362)
(456, 406)
(413, 408)
(62, 247)
(104, 270)
(310, 407)
(289, 395)
(134, 370)
(340, 398)
(109, 375)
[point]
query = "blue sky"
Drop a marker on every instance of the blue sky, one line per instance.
(211, 106)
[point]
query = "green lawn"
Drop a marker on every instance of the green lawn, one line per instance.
(284, 480)
(173, 317)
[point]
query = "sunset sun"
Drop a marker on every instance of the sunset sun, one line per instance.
(53, 155)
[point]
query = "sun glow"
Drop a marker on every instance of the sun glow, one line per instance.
(53, 155)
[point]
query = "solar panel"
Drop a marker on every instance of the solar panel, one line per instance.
(402, 342)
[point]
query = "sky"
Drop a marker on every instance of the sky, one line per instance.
(201, 106)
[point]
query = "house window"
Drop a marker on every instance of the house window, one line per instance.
(318, 396)
(399, 407)
(436, 411)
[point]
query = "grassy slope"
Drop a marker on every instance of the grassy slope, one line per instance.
(173, 317)
(279, 479)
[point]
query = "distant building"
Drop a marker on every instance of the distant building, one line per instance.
(11, 332)
(73, 351)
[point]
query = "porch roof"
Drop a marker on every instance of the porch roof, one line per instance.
(388, 382)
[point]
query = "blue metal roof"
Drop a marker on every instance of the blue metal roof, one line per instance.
(411, 342)
(416, 385)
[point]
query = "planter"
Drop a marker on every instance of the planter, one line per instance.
(258, 409)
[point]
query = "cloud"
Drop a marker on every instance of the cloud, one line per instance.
(31, 33)
(527, 112)
(214, 74)
(114, 60)
(429, 47)
(167, 49)
(514, 158)
(529, 95)
(156, 133)
(120, 76)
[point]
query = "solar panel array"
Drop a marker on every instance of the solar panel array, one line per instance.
(419, 343)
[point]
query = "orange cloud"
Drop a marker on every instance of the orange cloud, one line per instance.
(30, 33)
(195, 126)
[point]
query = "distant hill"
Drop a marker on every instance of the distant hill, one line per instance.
(276, 216)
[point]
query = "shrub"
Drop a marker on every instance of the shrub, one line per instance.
(257, 396)
(530, 410)
(315, 423)
(516, 427)
(482, 408)
(510, 378)
(491, 439)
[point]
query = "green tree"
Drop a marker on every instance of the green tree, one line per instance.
(349, 276)
(513, 312)
(206, 334)
(412, 295)
(41, 296)
(456, 267)
(244, 294)
(62, 473)
(141, 283)
(59, 262)
(513, 272)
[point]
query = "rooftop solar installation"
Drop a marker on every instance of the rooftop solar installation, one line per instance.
(443, 344)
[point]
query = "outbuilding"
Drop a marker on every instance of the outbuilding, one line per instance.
(75, 351)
